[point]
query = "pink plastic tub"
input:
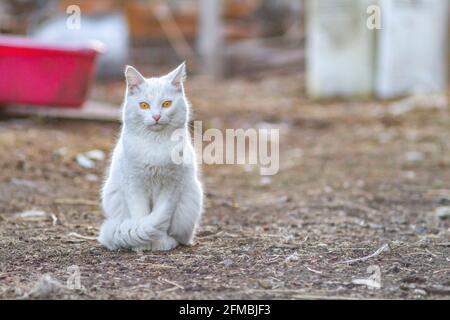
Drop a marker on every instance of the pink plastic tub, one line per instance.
(40, 74)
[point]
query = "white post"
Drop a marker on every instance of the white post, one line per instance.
(210, 40)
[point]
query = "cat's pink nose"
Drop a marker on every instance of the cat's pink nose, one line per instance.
(156, 117)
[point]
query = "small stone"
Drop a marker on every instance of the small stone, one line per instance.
(375, 226)
(414, 156)
(91, 177)
(419, 229)
(31, 214)
(420, 292)
(265, 181)
(409, 174)
(442, 212)
(85, 162)
(266, 284)
(227, 262)
(293, 257)
(98, 155)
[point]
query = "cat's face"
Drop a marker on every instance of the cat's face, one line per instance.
(155, 104)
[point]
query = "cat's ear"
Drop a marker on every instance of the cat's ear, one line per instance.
(134, 79)
(177, 76)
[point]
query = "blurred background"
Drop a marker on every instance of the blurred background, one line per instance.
(165, 32)
(339, 48)
(358, 89)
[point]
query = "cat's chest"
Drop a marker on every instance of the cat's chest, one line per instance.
(150, 156)
(152, 165)
(159, 173)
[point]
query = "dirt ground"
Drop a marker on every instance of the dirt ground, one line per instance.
(354, 177)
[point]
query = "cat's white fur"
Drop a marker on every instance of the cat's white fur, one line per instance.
(150, 202)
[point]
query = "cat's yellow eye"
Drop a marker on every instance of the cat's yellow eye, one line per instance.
(144, 105)
(167, 104)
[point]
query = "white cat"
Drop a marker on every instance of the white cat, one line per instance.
(149, 201)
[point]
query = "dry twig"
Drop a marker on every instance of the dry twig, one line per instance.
(380, 250)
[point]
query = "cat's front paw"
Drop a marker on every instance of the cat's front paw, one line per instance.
(165, 244)
(145, 247)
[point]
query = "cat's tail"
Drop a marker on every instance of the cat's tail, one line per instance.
(128, 233)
